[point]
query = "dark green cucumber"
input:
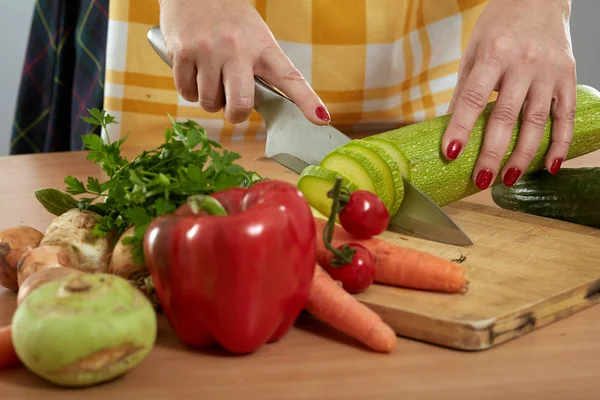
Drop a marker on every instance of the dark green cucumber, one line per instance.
(572, 195)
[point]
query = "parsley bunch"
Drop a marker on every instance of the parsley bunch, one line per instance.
(155, 182)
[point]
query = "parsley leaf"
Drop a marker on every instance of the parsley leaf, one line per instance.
(155, 182)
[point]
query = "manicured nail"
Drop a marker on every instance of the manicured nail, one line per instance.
(556, 166)
(322, 113)
(454, 149)
(484, 178)
(511, 176)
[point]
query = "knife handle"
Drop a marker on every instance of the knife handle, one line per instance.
(262, 90)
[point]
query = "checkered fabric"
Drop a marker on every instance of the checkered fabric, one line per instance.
(63, 75)
(377, 64)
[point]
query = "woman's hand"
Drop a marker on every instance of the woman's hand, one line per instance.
(522, 49)
(217, 48)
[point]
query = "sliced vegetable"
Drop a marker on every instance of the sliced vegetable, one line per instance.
(572, 195)
(83, 329)
(14, 242)
(394, 152)
(315, 182)
(401, 266)
(234, 267)
(392, 177)
(359, 169)
(334, 306)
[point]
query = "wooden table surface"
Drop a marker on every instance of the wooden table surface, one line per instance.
(560, 361)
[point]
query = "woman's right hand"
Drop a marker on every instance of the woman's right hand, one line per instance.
(217, 48)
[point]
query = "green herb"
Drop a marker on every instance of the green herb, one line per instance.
(154, 183)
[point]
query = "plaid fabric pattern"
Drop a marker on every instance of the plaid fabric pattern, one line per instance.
(63, 75)
(377, 64)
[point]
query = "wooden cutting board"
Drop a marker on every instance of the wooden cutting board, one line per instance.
(525, 272)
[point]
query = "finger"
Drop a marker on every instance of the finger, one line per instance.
(500, 127)
(184, 74)
(277, 69)
(563, 120)
(210, 87)
(471, 100)
(238, 82)
(531, 132)
(464, 68)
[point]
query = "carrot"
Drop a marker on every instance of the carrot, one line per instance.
(332, 305)
(400, 266)
(8, 356)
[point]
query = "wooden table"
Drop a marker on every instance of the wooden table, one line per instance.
(560, 361)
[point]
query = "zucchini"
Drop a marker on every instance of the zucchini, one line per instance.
(361, 170)
(448, 181)
(572, 195)
(315, 182)
(392, 177)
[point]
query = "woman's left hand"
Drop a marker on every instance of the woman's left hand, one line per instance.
(522, 49)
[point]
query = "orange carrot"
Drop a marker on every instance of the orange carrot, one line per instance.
(400, 266)
(8, 356)
(332, 305)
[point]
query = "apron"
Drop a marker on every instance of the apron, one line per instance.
(376, 64)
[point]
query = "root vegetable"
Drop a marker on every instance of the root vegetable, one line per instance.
(46, 257)
(14, 242)
(84, 329)
(123, 265)
(41, 277)
(73, 230)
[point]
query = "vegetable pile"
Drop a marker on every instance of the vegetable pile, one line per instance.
(231, 259)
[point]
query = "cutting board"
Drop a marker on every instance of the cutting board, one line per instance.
(525, 272)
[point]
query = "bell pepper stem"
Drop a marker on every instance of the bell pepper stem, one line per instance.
(207, 204)
(343, 256)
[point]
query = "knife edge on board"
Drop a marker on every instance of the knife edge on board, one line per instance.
(295, 143)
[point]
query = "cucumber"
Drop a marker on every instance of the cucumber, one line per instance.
(392, 177)
(572, 195)
(359, 169)
(315, 182)
(448, 181)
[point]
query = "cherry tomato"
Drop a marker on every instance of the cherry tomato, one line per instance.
(364, 215)
(356, 276)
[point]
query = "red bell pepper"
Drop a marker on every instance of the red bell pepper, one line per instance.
(234, 268)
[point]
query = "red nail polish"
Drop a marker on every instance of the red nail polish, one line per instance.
(484, 178)
(454, 149)
(556, 166)
(511, 176)
(322, 113)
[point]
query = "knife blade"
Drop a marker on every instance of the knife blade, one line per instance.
(295, 143)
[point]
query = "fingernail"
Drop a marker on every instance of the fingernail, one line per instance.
(322, 113)
(484, 178)
(454, 149)
(511, 176)
(556, 166)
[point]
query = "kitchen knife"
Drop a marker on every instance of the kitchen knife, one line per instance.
(295, 142)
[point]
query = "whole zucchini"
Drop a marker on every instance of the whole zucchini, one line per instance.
(572, 195)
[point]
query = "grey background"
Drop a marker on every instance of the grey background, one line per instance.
(15, 20)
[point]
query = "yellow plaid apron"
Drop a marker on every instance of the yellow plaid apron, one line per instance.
(377, 64)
